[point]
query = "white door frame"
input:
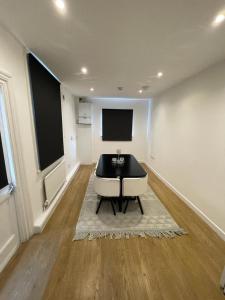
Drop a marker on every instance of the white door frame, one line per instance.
(23, 206)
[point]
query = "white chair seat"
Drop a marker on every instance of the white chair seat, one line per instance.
(222, 281)
(135, 186)
(107, 187)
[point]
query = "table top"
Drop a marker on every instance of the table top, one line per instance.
(130, 169)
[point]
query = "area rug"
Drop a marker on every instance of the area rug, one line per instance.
(156, 221)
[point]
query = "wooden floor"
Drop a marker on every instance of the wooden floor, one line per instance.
(51, 266)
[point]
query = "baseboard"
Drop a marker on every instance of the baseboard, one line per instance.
(41, 222)
(197, 210)
(7, 251)
(70, 176)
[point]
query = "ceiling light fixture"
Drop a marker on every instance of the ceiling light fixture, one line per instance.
(160, 74)
(219, 19)
(92, 89)
(140, 91)
(84, 70)
(60, 4)
(145, 87)
(120, 88)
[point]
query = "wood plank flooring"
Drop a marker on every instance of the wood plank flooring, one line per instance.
(51, 266)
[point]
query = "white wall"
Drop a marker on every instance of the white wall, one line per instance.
(13, 61)
(85, 144)
(149, 131)
(138, 146)
(69, 130)
(188, 140)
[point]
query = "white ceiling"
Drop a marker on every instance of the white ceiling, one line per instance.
(121, 42)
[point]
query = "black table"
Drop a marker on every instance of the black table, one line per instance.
(130, 169)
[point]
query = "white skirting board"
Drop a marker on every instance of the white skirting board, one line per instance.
(40, 223)
(203, 216)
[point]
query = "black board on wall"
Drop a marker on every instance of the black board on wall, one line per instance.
(117, 124)
(47, 113)
(3, 174)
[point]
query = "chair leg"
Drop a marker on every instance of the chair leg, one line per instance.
(115, 202)
(113, 208)
(140, 205)
(125, 209)
(100, 202)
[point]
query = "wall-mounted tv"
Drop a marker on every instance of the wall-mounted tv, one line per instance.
(117, 124)
(46, 99)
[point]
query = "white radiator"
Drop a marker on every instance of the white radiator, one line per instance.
(53, 182)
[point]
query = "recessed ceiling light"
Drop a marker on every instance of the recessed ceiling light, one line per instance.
(140, 91)
(84, 70)
(92, 89)
(160, 74)
(219, 19)
(60, 4)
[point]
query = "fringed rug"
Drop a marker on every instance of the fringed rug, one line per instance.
(156, 221)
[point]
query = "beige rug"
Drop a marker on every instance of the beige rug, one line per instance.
(156, 221)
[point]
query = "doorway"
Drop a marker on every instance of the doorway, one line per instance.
(9, 233)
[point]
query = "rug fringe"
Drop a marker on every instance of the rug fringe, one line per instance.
(127, 234)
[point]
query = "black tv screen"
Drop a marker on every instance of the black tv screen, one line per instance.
(47, 113)
(117, 124)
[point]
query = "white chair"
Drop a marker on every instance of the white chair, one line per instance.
(96, 166)
(222, 281)
(107, 188)
(134, 187)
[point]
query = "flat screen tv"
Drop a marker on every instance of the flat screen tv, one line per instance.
(46, 99)
(117, 124)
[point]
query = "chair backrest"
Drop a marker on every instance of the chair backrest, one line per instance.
(134, 186)
(96, 165)
(222, 280)
(107, 187)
